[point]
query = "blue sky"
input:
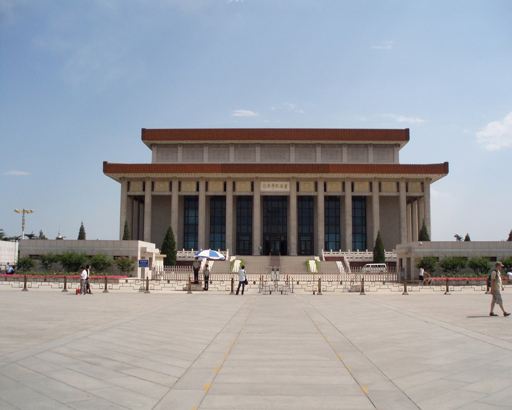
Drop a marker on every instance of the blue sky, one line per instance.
(79, 79)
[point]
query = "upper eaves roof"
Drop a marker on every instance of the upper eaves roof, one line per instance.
(388, 136)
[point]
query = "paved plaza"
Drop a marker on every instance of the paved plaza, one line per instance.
(213, 351)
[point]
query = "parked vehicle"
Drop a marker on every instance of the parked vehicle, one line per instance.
(375, 268)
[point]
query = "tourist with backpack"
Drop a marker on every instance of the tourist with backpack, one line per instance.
(496, 288)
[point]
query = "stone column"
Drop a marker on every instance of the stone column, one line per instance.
(320, 204)
(414, 210)
(256, 218)
(409, 222)
(426, 204)
(293, 217)
(201, 229)
(229, 215)
(375, 208)
(124, 205)
(421, 211)
(147, 210)
(403, 211)
(175, 214)
(348, 214)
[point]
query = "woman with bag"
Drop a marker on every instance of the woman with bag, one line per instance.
(242, 280)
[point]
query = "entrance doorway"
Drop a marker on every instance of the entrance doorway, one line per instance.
(275, 224)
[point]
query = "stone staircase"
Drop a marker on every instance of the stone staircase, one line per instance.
(329, 268)
(294, 264)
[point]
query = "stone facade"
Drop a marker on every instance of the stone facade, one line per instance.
(351, 178)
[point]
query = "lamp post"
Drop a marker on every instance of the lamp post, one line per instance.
(24, 211)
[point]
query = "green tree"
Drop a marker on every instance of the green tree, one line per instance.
(25, 263)
(2, 234)
(480, 265)
(101, 262)
(48, 260)
(510, 236)
(126, 232)
(423, 235)
(452, 264)
(72, 261)
(169, 248)
(81, 232)
(508, 263)
(467, 238)
(379, 255)
(125, 265)
(429, 263)
(41, 235)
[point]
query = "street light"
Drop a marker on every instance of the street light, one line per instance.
(24, 211)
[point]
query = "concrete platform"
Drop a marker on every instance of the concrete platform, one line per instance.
(214, 351)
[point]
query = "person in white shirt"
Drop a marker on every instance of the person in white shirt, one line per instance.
(242, 276)
(83, 280)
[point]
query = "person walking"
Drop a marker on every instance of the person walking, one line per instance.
(83, 280)
(206, 273)
(87, 281)
(242, 278)
(496, 288)
(196, 265)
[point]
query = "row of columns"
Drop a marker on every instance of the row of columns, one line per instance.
(411, 215)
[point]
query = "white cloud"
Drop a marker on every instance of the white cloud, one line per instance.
(243, 113)
(17, 173)
(403, 118)
(385, 45)
(290, 107)
(496, 134)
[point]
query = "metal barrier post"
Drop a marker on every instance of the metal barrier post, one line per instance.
(447, 287)
(189, 285)
(319, 286)
(405, 287)
(147, 285)
(232, 286)
(24, 284)
(105, 290)
(65, 284)
(362, 286)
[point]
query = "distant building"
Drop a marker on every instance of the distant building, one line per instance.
(287, 191)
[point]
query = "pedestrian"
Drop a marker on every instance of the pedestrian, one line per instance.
(422, 274)
(206, 273)
(242, 280)
(496, 288)
(83, 279)
(9, 269)
(196, 265)
(87, 282)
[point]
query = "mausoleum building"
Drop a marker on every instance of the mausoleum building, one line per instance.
(286, 191)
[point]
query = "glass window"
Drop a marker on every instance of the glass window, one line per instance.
(306, 218)
(332, 222)
(191, 222)
(244, 225)
(218, 222)
(359, 223)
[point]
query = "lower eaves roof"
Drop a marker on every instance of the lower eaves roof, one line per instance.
(432, 171)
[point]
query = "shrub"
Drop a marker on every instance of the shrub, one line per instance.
(508, 263)
(126, 232)
(169, 248)
(379, 255)
(125, 265)
(101, 262)
(423, 235)
(72, 261)
(480, 265)
(25, 263)
(48, 260)
(429, 263)
(453, 264)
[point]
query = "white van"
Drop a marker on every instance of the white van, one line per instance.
(375, 268)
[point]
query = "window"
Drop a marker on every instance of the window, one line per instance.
(218, 222)
(332, 222)
(191, 222)
(359, 223)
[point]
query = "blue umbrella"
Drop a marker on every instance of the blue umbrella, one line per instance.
(210, 254)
